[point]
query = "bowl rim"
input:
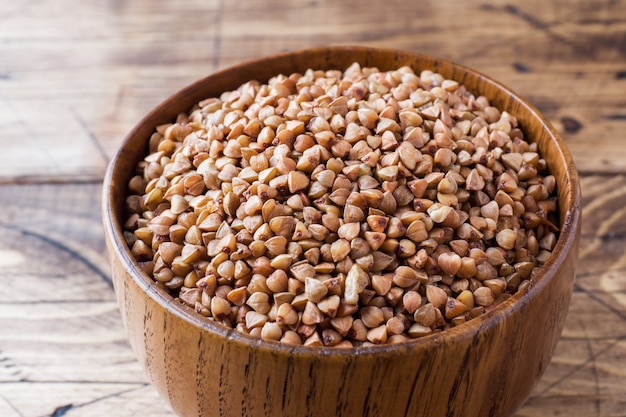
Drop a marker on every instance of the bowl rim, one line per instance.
(569, 228)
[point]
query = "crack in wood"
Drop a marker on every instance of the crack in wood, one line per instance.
(92, 136)
(581, 366)
(594, 296)
(62, 247)
(11, 406)
(61, 410)
(536, 23)
(521, 67)
(594, 371)
(605, 237)
(591, 274)
(217, 36)
(605, 226)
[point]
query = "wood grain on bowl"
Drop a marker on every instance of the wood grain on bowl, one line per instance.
(486, 367)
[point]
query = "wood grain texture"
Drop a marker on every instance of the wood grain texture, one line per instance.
(75, 77)
(61, 339)
(106, 65)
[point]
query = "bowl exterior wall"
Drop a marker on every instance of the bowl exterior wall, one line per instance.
(489, 372)
(486, 367)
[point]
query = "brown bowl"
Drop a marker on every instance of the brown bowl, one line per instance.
(485, 367)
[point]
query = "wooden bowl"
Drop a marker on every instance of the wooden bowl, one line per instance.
(485, 367)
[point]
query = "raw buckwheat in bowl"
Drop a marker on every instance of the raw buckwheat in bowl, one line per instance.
(343, 231)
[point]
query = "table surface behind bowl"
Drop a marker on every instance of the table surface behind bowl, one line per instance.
(75, 76)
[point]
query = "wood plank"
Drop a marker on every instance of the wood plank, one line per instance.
(73, 84)
(561, 56)
(80, 399)
(62, 342)
(98, 355)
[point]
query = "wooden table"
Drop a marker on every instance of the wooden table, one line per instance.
(76, 75)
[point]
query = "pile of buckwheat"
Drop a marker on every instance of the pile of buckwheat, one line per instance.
(342, 208)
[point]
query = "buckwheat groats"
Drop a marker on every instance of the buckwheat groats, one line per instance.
(340, 209)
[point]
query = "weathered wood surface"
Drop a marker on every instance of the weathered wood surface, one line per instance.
(75, 76)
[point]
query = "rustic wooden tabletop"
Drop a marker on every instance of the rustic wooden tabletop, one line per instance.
(76, 75)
